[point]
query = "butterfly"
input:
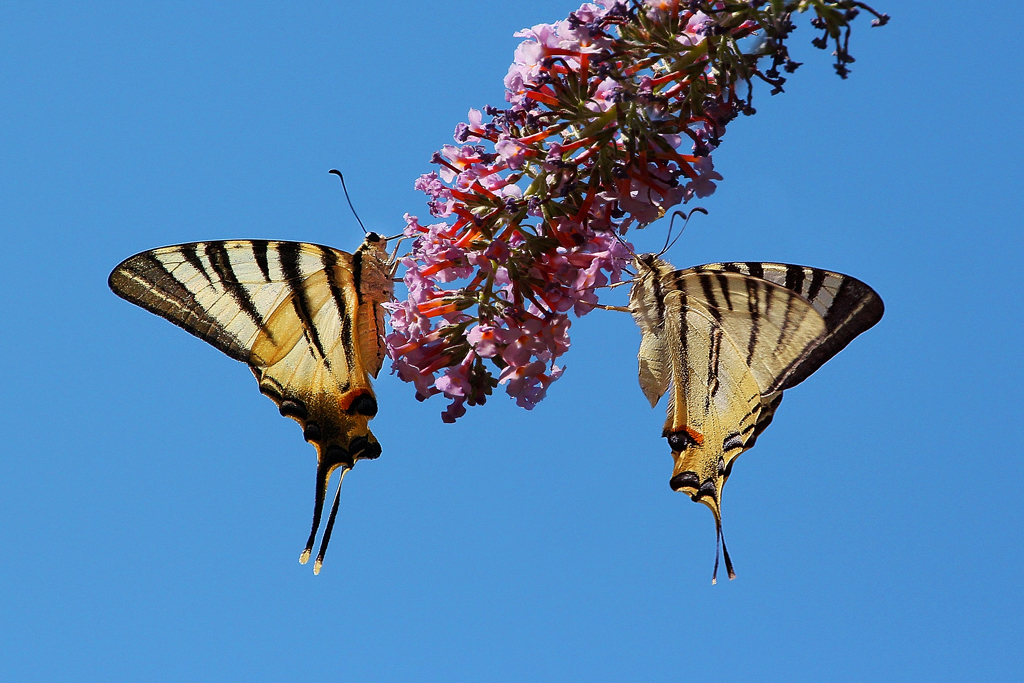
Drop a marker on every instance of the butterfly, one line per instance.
(725, 340)
(308, 321)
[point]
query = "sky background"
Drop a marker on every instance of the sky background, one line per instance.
(153, 504)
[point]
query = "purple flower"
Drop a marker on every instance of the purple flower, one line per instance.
(484, 340)
(474, 129)
(454, 382)
(539, 194)
(454, 411)
(529, 384)
(431, 185)
(703, 185)
(605, 96)
(696, 29)
(511, 151)
(406, 320)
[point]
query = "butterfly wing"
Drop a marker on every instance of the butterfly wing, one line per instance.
(304, 317)
(847, 305)
(736, 336)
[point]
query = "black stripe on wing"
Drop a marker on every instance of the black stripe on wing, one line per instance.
(330, 263)
(289, 255)
(221, 262)
(855, 309)
(146, 282)
(156, 281)
(848, 306)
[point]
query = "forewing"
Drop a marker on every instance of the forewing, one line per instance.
(775, 328)
(847, 305)
(222, 292)
(288, 309)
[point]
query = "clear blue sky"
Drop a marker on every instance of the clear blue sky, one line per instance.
(153, 504)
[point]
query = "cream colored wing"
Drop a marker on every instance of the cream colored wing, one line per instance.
(734, 342)
(306, 319)
(847, 305)
(774, 326)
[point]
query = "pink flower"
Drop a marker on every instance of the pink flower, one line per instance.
(605, 96)
(432, 185)
(454, 411)
(475, 127)
(406, 320)
(529, 384)
(539, 193)
(695, 30)
(511, 151)
(407, 373)
(485, 341)
(703, 185)
(461, 158)
(453, 381)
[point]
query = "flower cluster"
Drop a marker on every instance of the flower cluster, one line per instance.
(613, 115)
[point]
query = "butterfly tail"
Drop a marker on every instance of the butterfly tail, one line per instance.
(330, 524)
(328, 459)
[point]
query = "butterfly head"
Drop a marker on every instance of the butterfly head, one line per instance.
(651, 266)
(374, 243)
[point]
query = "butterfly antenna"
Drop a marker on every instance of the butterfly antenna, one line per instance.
(330, 525)
(686, 221)
(345, 189)
(668, 235)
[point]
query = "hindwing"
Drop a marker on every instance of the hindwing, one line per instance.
(307, 319)
(725, 340)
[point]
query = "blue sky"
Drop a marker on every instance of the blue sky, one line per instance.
(153, 504)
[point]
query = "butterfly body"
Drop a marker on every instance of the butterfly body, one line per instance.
(725, 340)
(307, 319)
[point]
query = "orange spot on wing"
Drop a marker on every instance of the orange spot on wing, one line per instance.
(695, 435)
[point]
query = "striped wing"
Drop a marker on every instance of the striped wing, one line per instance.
(305, 318)
(725, 340)
(847, 305)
